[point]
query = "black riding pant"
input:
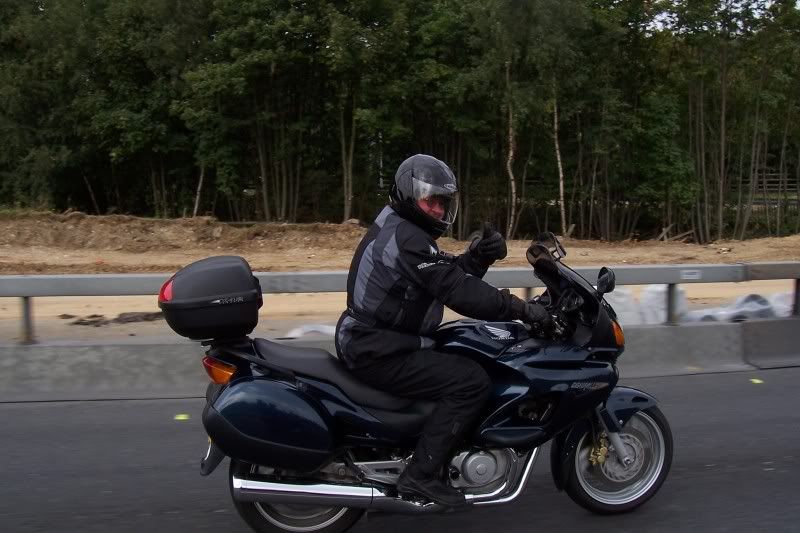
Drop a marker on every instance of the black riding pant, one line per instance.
(459, 386)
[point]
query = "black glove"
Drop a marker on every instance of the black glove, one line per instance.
(536, 314)
(490, 247)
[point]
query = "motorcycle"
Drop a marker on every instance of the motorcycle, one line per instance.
(311, 448)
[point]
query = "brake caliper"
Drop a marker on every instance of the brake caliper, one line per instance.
(599, 452)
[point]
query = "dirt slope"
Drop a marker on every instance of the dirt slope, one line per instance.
(79, 243)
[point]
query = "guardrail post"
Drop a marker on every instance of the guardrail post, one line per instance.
(796, 306)
(27, 322)
(672, 304)
(529, 293)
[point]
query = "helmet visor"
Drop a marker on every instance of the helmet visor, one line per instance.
(438, 202)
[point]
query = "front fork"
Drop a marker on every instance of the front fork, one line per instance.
(613, 437)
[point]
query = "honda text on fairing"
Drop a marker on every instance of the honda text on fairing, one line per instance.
(311, 448)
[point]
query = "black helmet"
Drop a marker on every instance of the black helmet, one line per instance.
(422, 177)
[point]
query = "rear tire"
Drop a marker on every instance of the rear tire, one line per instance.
(611, 488)
(281, 518)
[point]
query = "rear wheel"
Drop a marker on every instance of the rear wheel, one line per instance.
(277, 517)
(599, 482)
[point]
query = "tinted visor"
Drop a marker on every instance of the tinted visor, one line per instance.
(439, 203)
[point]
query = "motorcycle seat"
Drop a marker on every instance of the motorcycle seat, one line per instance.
(321, 364)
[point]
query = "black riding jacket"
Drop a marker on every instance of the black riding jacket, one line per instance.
(398, 285)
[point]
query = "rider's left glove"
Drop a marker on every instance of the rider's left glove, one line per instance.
(489, 247)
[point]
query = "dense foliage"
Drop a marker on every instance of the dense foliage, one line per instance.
(615, 118)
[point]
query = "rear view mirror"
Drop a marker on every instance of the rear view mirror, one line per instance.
(541, 260)
(551, 242)
(606, 281)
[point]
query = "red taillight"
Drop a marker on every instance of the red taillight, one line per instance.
(165, 294)
(219, 372)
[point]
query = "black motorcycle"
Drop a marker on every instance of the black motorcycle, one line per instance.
(312, 448)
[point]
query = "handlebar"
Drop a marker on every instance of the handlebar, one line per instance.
(557, 331)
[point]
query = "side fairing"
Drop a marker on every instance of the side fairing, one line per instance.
(539, 388)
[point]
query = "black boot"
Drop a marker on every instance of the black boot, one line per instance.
(429, 488)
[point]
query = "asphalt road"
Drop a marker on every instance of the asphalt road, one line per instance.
(130, 466)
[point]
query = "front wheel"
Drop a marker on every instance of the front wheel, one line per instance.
(279, 518)
(599, 482)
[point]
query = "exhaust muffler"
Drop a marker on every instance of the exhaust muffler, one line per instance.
(359, 497)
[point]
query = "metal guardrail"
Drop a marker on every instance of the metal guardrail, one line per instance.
(27, 287)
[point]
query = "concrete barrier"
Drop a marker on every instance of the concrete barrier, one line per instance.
(694, 348)
(170, 367)
(127, 369)
(772, 343)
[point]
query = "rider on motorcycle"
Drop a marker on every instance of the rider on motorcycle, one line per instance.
(398, 285)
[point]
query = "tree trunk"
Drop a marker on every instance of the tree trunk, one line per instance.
(722, 139)
(284, 184)
(347, 152)
(523, 195)
(156, 196)
(764, 186)
(263, 167)
(199, 190)
(214, 203)
(299, 163)
(702, 150)
(577, 182)
(754, 157)
(608, 200)
(462, 190)
(91, 192)
(797, 187)
(700, 222)
(465, 197)
(782, 174)
(350, 152)
(274, 160)
(165, 207)
(510, 158)
(591, 195)
(558, 160)
(739, 194)
(754, 151)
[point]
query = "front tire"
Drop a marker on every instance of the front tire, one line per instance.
(280, 518)
(610, 487)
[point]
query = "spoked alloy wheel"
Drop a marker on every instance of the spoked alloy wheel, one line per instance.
(610, 487)
(278, 517)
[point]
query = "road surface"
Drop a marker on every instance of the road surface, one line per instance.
(130, 466)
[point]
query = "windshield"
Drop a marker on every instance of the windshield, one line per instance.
(559, 278)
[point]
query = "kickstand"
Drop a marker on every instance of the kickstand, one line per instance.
(349, 460)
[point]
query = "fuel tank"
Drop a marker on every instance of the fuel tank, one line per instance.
(478, 336)
(270, 423)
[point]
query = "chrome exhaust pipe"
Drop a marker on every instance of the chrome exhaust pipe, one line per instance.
(359, 497)
(253, 490)
(368, 497)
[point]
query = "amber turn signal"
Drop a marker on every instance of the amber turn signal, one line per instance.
(619, 336)
(219, 372)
